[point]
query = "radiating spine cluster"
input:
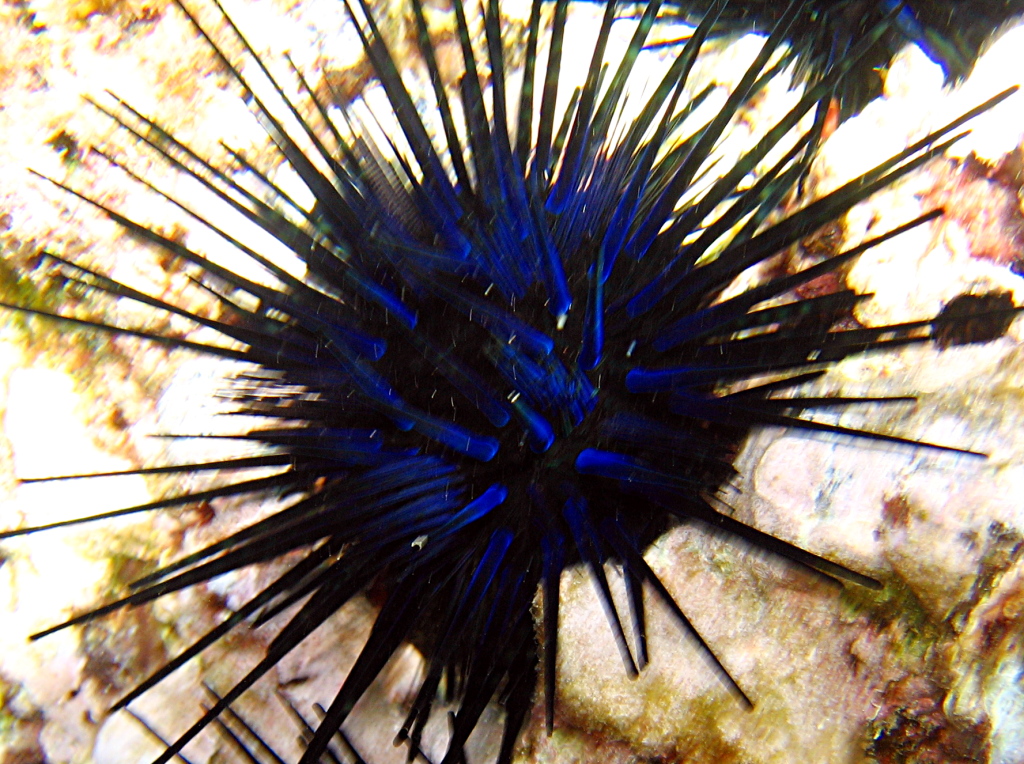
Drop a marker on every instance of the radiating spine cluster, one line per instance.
(507, 355)
(951, 33)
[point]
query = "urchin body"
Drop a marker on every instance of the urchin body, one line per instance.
(953, 34)
(501, 367)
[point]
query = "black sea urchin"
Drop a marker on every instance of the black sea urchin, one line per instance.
(506, 355)
(951, 32)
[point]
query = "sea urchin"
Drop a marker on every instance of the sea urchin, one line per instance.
(952, 33)
(511, 351)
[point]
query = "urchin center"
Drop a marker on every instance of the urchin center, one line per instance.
(550, 399)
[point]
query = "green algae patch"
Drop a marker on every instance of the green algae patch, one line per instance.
(896, 606)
